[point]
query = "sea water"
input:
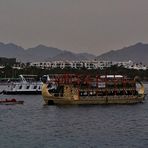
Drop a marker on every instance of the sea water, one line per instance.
(34, 125)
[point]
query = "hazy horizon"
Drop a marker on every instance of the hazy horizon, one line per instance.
(95, 26)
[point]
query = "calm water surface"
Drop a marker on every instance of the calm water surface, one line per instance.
(34, 125)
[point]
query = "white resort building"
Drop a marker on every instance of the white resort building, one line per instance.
(93, 64)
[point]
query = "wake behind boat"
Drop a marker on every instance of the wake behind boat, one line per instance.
(24, 86)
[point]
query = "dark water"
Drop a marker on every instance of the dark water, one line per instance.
(33, 125)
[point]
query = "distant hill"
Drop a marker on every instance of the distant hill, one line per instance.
(40, 53)
(137, 53)
(66, 55)
(10, 50)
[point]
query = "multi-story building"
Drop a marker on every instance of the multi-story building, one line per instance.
(7, 61)
(94, 64)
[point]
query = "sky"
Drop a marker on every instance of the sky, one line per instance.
(93, 26)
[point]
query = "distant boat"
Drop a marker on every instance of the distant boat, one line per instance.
(85, 90)
(10, 101)
(24, 86)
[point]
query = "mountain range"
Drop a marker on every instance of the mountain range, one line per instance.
(40, 53)
(137, 53)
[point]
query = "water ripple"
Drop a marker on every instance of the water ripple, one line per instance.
(33, 125)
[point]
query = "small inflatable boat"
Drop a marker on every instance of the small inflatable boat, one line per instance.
(10, 101)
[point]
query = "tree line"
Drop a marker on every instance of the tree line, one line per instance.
(9, 72)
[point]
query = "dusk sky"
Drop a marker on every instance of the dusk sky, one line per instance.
(93, 26)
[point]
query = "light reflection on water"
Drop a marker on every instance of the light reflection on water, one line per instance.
(35, 125)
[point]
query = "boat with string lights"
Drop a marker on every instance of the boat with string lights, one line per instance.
(66, 89)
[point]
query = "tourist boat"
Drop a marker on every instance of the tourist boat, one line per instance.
(24, 86)
(10, 101)
(82, 90)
